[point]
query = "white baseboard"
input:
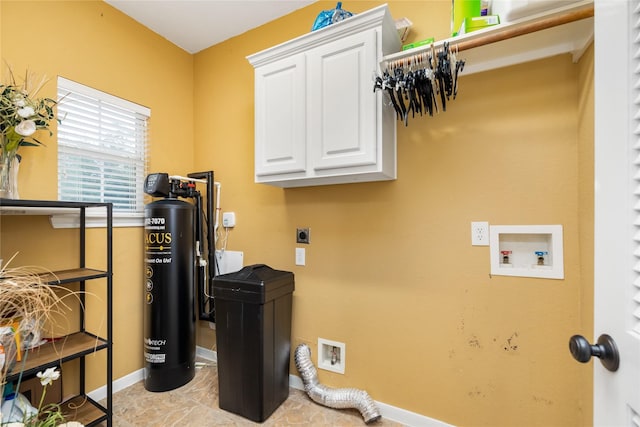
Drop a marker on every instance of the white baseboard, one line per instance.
(207, 354)
(296, 382)
(389, 412)
(408, 418)
(119, 384)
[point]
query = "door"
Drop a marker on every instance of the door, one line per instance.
(617, 208)
(280, 105)
(342, 104)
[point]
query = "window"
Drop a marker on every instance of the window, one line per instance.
(101, 148)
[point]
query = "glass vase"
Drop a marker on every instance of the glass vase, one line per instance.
(9, 165)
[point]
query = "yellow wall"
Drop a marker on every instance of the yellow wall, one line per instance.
(92, 43)
(586, 202)
(390, 269)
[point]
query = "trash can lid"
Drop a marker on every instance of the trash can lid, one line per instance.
(253, 283)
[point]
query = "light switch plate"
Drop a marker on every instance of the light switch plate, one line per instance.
(300, 256)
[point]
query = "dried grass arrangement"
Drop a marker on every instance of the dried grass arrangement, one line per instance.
(25, 299)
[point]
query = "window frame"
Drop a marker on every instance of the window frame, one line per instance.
(97, 218)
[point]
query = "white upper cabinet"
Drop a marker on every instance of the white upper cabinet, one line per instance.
(317, 119)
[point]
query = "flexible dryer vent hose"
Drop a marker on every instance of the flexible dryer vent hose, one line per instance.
(333, 397)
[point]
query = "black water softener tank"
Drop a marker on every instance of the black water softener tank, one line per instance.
(169, 313)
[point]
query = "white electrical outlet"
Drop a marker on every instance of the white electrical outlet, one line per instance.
(229, 219)
(480, 233)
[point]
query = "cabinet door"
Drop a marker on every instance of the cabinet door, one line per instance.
(342, 105)
(280, 117)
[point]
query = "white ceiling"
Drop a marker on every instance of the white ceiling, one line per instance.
(195, 25)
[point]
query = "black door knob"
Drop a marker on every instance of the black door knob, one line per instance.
(605, 349)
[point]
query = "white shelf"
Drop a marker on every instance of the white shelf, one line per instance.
(567, 29)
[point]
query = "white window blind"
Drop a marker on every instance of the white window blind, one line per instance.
(102, 143)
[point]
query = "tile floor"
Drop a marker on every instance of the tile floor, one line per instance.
(196, 404)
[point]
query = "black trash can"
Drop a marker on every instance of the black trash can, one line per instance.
(253, 337)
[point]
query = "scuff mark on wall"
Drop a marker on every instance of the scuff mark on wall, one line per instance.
(511, 345)
(474, 342)
(542, 400)
(476, 393)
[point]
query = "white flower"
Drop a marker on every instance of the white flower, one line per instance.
(26, 128)
(26, 112)
(49, 376)
(18, 99)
